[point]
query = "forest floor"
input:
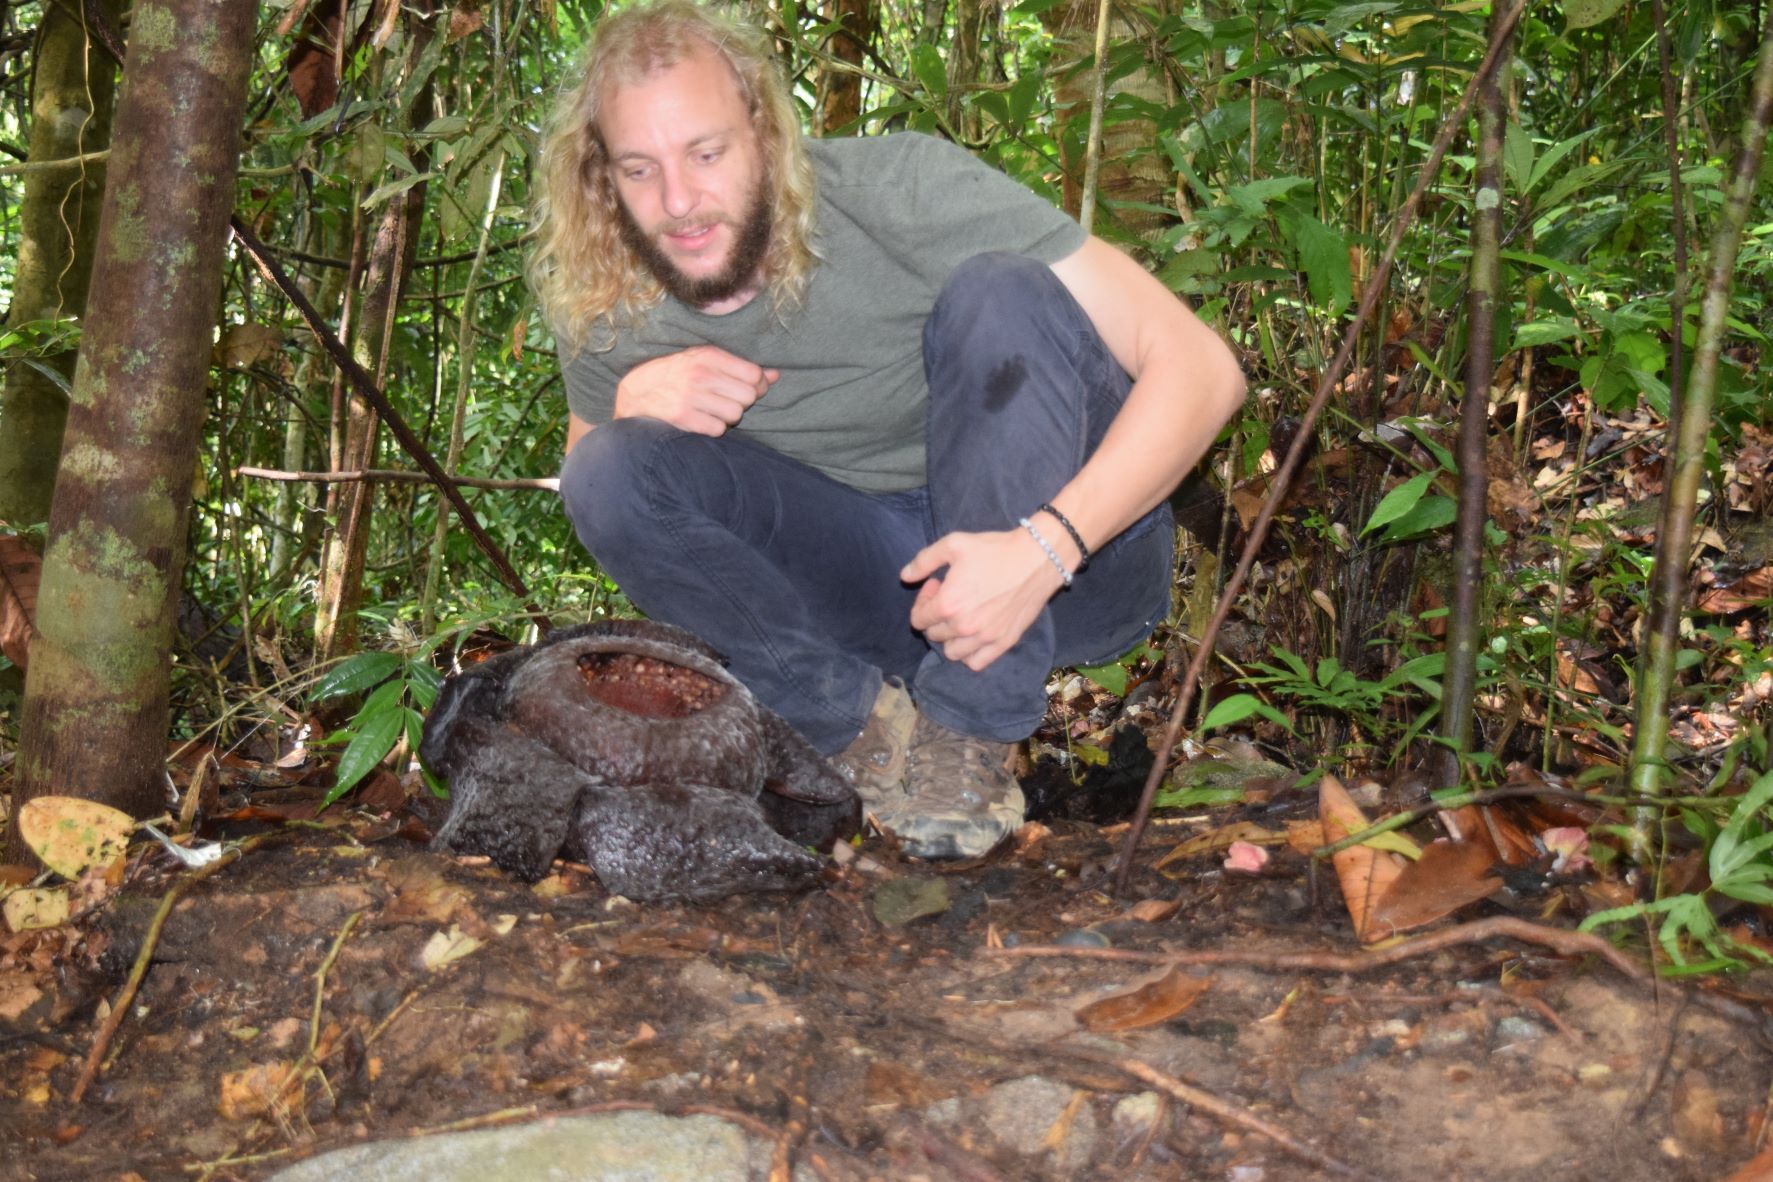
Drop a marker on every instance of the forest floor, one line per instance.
(338, 984)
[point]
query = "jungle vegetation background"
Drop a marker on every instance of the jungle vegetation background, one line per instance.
(1256, 155)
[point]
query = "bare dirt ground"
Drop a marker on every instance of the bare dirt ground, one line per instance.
(337, 985)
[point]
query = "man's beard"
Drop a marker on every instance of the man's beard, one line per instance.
(750, 244)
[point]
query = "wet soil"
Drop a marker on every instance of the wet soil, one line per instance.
(306, 996)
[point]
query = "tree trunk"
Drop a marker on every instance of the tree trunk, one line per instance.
(1465, 596)
(341, 575)
(1131, 170)
(968, 63)
(71, 101)
(1674, 536)
(391, 256)
(95, 712)
(840, 98)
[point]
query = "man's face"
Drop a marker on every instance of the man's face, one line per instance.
(687, 167)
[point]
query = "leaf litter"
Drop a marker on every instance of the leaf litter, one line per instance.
(306, 996)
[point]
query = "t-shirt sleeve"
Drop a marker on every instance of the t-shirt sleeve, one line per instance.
(590, 385)
(935, 205)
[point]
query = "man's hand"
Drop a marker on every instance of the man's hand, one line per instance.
(995, 586)
(704, 389)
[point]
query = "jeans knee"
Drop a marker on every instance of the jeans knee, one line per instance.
(604, 482)
(987, 287)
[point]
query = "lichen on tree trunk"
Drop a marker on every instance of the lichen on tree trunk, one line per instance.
(95, 713)
(74, 84)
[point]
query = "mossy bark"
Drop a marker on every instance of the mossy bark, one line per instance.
(72, 96)
(95, 713)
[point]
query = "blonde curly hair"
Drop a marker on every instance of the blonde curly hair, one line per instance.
(588, 281)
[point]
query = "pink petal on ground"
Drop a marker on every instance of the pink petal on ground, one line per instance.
(1246, 857)
(1570, 844)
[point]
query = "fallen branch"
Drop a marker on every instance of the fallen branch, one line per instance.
(396, 476)
(1566, 943)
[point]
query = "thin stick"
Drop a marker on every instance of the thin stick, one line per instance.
(1284, 475)
(120, 1004)
(1086, 211)
(332, 956)
(365, 387)
(1566, 943)
(1232, 1114)
(398, 476)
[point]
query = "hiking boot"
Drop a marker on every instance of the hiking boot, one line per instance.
(960, 798)
(874, 762)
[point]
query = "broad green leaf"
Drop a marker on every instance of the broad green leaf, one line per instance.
(1022, 95)
(1111, 677)
(394, 189)
(1555, 153)
(368, 153)
(373, 740)
(930, 70)
(1544, 331)
(1255, 197)
(1431, 513)
(1517, 156)
(1324, 256)
(386, 697)
(1582, 14)
(1398, 501)
(1238, 707)
(1576, 180)
(356, 674)
(445, 126)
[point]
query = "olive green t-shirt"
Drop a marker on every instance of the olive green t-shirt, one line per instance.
(896, 214)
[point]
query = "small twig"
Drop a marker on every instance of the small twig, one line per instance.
(1206, 1101)
(1652, 1080)
(332, 956)
(1232, 1114)
(399, 476)
(120, 1004)
(1566, 943)
(799, 1121)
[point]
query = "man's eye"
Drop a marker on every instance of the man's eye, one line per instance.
(708, 157)
(636, 174)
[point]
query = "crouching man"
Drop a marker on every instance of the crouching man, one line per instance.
(884, 427)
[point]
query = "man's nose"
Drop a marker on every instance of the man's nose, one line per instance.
(676, 195)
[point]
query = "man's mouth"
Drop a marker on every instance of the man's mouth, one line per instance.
(693, 238)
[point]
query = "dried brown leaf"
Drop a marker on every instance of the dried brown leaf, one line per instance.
(20, 572)
(1364, 873)
(1151, 1003)
(1446, 877)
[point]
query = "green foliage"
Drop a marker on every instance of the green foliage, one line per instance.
(1376, 707)
(403, 687)
(1739, 865)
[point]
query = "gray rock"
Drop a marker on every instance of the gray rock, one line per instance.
(1134, 1115)
(1023, 1111)
(619, 1147)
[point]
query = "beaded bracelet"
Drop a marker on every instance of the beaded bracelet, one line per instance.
(1064, 575)
(1083, 550)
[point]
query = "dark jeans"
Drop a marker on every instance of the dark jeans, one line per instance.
(794, 576)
